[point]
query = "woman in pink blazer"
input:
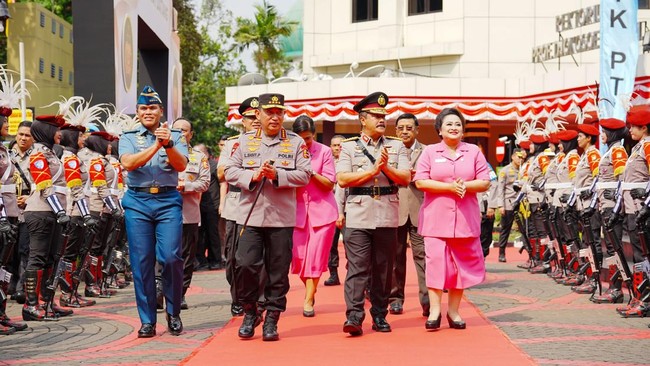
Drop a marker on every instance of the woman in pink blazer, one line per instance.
(451, 173)
(316, 214)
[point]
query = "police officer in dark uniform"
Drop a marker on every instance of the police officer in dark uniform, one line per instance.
(371, 167)
(153, 210)
(268, 166)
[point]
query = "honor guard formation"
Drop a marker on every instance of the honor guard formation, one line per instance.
(93, 200)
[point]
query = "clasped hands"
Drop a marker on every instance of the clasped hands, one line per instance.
(163, 134)
(458, 187)
(267, 170)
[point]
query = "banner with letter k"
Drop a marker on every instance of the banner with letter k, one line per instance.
(619, 51)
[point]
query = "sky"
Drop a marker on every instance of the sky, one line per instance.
(246, 8)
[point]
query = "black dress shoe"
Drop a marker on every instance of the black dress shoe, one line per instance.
(502, 258)
(19, 296)
(353, 327)
(247, 328)
(236, 310)
(184, 304)
(147, 330)
(333, 280)
(456, 325)
(433, 324)
(174, 324)
(215, 266)
(396, 308)
(380, 324)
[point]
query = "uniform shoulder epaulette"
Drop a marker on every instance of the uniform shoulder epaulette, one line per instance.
(233, 137)
(355, 138)
(130, 131)
(393, 138)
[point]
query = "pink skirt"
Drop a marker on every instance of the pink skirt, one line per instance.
(311, 249)
(453, 263)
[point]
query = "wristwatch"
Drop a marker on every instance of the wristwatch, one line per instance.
(169, 145)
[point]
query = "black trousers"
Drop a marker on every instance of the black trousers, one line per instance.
(209, 237)
(370, 254)
(399, 268)
(188, 250)
(487, 227)
(333, 261)
(262, 248)
(75, 240)
(20, 256)
(231, 228)
(630, 224)
(44, 238)
(100, 243)
(506, 227)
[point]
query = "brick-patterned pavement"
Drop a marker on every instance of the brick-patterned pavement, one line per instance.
(546, 320)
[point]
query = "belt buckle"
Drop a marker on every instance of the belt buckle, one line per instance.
(376, 192)
(154, 189)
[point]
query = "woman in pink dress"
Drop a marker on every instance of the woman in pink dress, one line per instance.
(451, 173)
(316, 214)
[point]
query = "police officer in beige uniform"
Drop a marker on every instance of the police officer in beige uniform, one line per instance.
(275, 161)
(371, 166)
(192, 182)
(505, 196)
(410, 200)
(229, 205)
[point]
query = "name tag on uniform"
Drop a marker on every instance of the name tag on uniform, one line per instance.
(441, 160)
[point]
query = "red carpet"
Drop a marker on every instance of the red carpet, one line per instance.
(321, 341)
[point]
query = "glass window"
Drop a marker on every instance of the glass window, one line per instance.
(70, 79)
(53, 26)
(424, 6)
(644, 4)
(364, 10)
(60, 30)
(41, 65)
(52, 70)
(70, 36)
(60, 73)
(42, 20)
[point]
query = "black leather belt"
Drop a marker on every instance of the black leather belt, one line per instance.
(373, 191)
(233, 188)
(153, 190)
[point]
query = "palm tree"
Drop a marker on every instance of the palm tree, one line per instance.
(264, 32)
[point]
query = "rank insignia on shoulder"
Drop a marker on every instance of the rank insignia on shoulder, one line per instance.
(393, 138)
(233, 137)
(355, 138)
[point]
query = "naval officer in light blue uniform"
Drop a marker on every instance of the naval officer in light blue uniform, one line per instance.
(153, 155)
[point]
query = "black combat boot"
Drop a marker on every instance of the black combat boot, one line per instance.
(92, 289)
(251, 320)
(270, 327)
(502, 254)
(5, 321)
(333, 280)
(73, 300)
(47, 294)
(32, 309)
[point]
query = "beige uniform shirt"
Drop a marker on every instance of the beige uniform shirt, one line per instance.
(231, 202)
(586, 173)
(505, 194)
(364, 211)
(196, 177)
(94, 189)
(276, 206)
(36, 200)
(636, 174)
(8, 182)
(23, 163)
(410, 198)
(551, 176)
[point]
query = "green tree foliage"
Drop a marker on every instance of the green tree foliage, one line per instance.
(62, 8)
(264, 32)
(204, 101)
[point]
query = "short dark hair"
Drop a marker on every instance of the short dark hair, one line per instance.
(224, 137)
(516, 150)
(408, 116)
(337, 137)
(25, 124)
(446, 112)
(303, 123)
(184, 119)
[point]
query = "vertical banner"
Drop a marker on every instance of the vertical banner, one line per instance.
(619, 51)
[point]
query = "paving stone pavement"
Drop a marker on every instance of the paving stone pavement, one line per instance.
(556, 326)
(105, 334)
(546, 320)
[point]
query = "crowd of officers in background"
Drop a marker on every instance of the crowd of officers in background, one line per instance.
(572, 203)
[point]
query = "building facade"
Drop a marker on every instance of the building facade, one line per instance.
(498, 61)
